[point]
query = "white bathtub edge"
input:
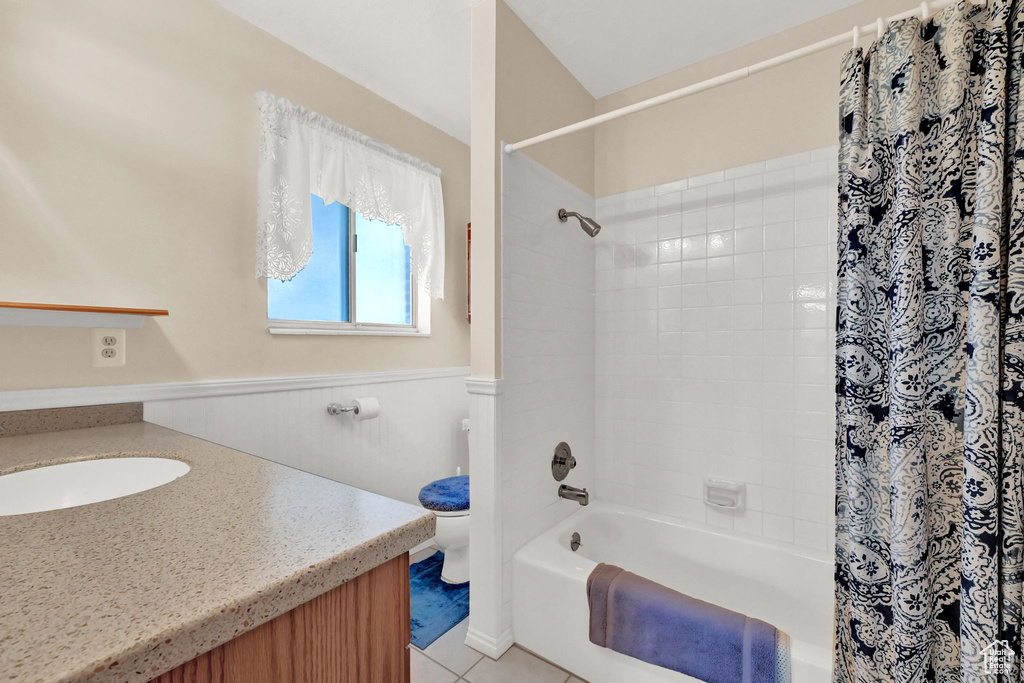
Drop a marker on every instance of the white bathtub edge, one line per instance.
(548, 578)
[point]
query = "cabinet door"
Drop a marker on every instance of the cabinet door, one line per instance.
(355, 633)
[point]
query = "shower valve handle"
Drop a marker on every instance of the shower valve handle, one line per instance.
(565, 461)
(562, 461)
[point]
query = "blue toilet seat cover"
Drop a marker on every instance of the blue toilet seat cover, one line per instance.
(446, 495)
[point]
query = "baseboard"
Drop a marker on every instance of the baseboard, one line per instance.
(492, 647)
(29, 399)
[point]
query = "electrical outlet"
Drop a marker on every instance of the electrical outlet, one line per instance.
(107, 348)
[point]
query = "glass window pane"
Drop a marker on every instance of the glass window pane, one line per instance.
(383, 274)
(320, 290)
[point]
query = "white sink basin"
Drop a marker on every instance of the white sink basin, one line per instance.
(80, 483)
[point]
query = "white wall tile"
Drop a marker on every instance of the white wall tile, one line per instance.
(549, 323)
(730, 344)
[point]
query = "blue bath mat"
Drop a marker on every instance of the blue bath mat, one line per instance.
(436, 606)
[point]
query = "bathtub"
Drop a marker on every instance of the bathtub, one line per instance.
(791, 589)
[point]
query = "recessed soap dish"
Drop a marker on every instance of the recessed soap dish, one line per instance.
(725, 494)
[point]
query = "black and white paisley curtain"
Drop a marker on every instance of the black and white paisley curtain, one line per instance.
(930, 352)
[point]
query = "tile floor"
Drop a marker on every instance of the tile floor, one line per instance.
(449, 660)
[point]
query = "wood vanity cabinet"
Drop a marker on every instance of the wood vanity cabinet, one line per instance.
(355, 633)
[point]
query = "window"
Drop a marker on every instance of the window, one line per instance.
(358, 280)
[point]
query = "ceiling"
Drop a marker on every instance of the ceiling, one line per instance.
(416, 53)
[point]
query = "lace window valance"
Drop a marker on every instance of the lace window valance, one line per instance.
(302, 152)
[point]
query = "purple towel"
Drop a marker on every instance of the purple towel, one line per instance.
(645, 620)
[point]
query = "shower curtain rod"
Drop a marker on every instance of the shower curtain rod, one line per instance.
(924, 10)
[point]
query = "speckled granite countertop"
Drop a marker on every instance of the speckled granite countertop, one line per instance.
(127, 589)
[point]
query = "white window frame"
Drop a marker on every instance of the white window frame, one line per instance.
(419, 308)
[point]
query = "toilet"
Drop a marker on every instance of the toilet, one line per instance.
(449, 500)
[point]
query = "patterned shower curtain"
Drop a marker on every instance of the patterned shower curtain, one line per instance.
(930, 352)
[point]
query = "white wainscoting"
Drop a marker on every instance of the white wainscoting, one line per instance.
(417, 438)
(63, 397)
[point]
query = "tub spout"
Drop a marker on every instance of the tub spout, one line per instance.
(572, 493)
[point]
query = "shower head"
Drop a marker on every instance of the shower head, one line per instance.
(589, 225)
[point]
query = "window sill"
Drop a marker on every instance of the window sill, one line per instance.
(290, 327)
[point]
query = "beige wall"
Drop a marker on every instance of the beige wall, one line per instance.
(519, 90)
(128, 137)
(485, 197)
(788, 109)
(535, 94)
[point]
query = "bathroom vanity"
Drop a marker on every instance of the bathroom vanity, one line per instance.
(240, 570)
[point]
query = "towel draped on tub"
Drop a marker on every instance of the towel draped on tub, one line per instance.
(648, 621)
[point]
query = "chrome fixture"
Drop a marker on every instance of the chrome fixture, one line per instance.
(562, 461)
(574, 541)
(589, 225)
(338, 409)
(572, 493)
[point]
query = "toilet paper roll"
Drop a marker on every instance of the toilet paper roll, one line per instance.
(368, 408)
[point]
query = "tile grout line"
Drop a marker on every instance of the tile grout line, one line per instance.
(463, 677)
(423, 652)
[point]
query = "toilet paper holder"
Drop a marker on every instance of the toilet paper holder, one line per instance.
(366, 408)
